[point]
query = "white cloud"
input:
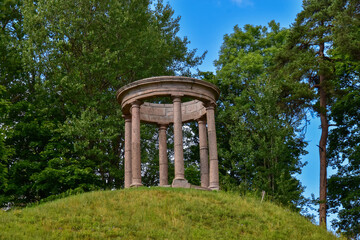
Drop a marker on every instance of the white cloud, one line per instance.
(243, 3)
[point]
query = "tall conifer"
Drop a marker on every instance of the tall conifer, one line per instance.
(305, 59)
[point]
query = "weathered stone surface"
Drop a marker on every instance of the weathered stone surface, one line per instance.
(163, 160)
(180, 183)
(135, 145)
(178, 139)
(127, 155)
(213, 155)
(200, 188)
(164, 113)
(204, 156)
(166, 86)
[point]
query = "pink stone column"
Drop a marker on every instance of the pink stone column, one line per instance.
(135, 144)
(163, 160)
(178, 139)
(127, 161)
(213, 155)
(204, 157)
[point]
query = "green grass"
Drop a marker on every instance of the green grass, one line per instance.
(157, 213)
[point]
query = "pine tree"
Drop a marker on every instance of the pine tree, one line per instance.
(305, 59)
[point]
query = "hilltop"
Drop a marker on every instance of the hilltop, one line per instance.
(157, 213)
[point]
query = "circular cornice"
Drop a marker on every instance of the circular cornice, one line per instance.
(202, 92)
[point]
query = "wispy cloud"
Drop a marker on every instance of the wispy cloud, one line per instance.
(243, 3)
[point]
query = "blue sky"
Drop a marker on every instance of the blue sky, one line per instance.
(205, 22)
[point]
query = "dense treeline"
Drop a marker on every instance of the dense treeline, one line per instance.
(259, 123)
(63, 62)
(61, 129)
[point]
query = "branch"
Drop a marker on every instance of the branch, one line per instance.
(320, 148)
(6, 22)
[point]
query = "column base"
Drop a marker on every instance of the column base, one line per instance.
(180, 183)
(164, 185)
(200, 188)
(135, 185)
(214, 187)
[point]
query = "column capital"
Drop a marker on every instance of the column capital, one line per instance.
(210, 105)
(163, 126)
(201, 120)
(177, 97)
(127, 117)
(136, 103)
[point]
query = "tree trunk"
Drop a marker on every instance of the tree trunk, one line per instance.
(322, 144)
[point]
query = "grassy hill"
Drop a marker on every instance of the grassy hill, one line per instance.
(157, 213)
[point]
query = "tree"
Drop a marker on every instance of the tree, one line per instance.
(69, 131)
(305, 59)
(321, 52)
(12, 91)
(258, 128)
(344, 152)
(4, 151)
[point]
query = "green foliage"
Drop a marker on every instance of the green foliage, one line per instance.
(300, 60)
(61, 129)
(64, 62)
(324, 42)
(11, 86)
(346, 35)
(306, 59)
(344, 151)
(157, 213)
(344, 186)
(4, 150)
(258, 122)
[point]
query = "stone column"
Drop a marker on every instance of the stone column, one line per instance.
(127, 161)
(214, 167)
(204, 157)
(178, 139)
(179, 180)
(163, 160)
(135, 144)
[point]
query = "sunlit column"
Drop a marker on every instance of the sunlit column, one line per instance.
(163, 160)
(204, 157)
(213, 155)
(127, 161)
(135, 144)
(178, 139)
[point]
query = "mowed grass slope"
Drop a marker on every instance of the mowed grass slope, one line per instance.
(157, 213)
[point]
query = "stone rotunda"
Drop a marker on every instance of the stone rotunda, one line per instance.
(132, 99)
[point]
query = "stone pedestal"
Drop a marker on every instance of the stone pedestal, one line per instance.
(180, 183)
